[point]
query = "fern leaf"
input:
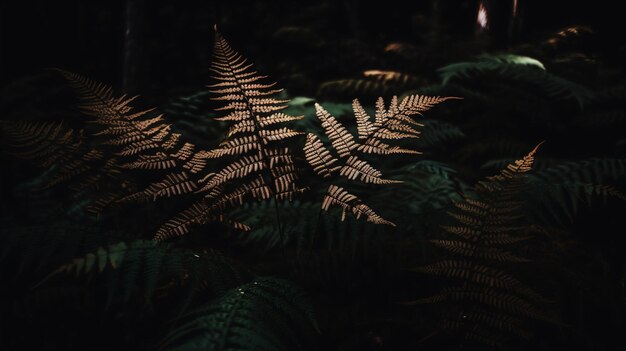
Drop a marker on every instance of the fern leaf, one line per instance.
(183, 222)
(341, 140)
(238, 169)
(364, 127)
(373, 146)
(266, 314)
(319, 157)
(337, 196)
(355, 168)
(173, 184)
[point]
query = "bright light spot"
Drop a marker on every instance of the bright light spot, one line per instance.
(481, 19)
(198, 256)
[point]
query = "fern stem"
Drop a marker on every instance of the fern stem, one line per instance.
(280, 229)
(316, 231)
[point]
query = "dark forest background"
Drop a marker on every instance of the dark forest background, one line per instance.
(549, 71)
(158, 48)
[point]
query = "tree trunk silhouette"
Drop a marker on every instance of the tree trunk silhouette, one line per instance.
(133, 19)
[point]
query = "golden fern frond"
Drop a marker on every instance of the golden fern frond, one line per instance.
(146, 141)
(276, 118)
(392, 123)
(152, 162)
(355, 168)
(279, 134)
(173, 184)
(260, 169)
(364, 127)
(342, 141)
(238, 169)
(511, 177)
(239, 85)
(256, 188)
(337, 196)
(374, 146)
(199, 213)
(415, 104)
(132, 133)
(396, 122)
(236, 146)
(182, 223)
(319, 157)
(244, 126)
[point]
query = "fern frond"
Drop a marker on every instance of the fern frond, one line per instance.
(479, 274)
(238, 169)
(393, 123)
(340, 138)
(148, 267)
(355, 168)
(472, 251)
(374, 146)
(266, 314)
(260, 168)
(173, 184)
(520, 69)
(337, 196)
(319, 157)
(86, 170)
(491, 228)
(364, 126)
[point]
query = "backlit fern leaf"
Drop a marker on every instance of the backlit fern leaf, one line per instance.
(260, 163)
(143, 140)
(199, 213)
(341, 140)
(337, 196)
(173, 184)
(394, 123)
(364, 126)
(319, 157)
(355, 168)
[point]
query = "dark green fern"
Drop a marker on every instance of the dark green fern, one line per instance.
(265, 314)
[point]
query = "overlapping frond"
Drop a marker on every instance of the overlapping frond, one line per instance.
(484, 241)
(199, 213)
(337, 196)
(144, 140)
(71, 160)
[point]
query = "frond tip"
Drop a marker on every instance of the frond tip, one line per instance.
(337, 196)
